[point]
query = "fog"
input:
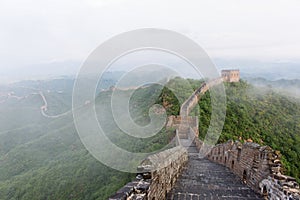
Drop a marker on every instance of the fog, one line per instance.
(50, 38)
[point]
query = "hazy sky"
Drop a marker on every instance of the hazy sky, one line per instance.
(38, 32)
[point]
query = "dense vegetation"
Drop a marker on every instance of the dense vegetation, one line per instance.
(256, 113)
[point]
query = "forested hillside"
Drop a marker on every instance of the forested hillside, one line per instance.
(255, 113)
(43, 158)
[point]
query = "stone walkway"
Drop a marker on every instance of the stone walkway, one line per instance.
(203, 179)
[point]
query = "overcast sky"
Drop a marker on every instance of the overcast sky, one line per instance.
(39, 32)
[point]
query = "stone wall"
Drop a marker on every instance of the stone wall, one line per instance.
(176, 121)
(183, 124)
(195, 137)
(280, 187)
(157, 175)
(258, 166)
(193, 100)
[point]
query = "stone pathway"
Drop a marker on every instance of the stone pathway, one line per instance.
(203, 179)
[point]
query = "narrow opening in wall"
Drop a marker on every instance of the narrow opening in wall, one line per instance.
(265, 191)
(232, 164)
(245, 176)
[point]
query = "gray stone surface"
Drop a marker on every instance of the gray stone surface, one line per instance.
(203, 179)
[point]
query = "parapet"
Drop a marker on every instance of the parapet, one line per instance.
(258, 166)
(156, 176)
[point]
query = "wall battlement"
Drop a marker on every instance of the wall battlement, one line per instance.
(157, 175)
(258, 166)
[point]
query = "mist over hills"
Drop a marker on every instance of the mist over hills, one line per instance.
(43, 157)
(249, 69)
(289, 88)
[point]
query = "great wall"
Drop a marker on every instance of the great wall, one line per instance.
(232, 170)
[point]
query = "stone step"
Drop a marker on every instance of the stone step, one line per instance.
(192, 150)
(183, 136)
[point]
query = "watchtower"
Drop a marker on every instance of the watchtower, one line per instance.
(231, 75)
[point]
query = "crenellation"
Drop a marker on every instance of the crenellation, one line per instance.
(258, 166)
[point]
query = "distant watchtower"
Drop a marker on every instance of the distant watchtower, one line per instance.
(231, 75)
